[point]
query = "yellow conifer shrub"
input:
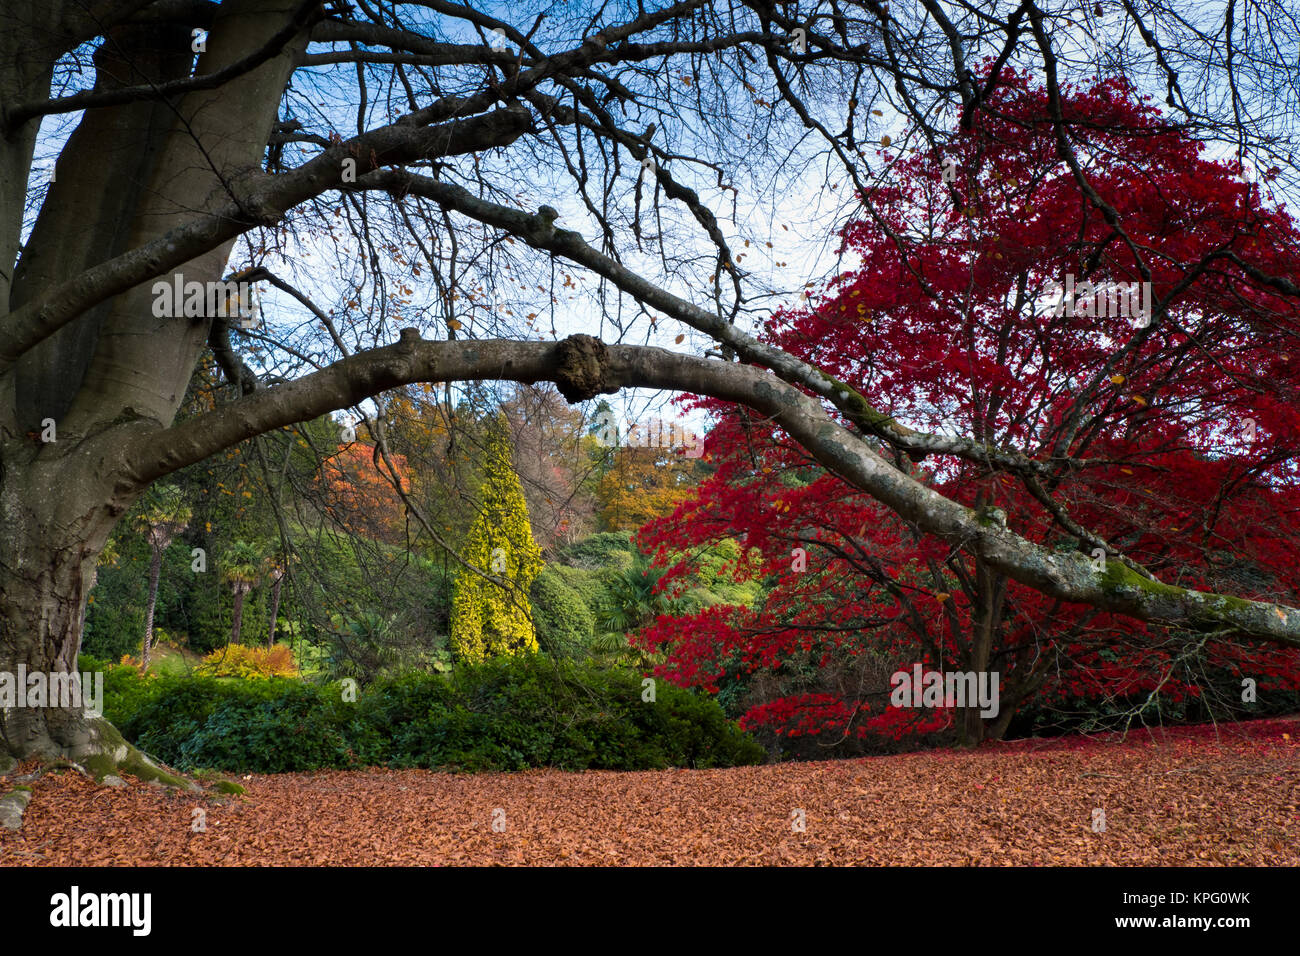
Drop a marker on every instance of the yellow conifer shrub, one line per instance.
(487, 619)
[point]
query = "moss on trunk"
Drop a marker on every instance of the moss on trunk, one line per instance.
(109, 754)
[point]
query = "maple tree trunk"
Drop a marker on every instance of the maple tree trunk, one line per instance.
(986, 613)
(155, 569)
(970, 727)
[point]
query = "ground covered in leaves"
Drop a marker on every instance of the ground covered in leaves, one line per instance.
(1191, 796)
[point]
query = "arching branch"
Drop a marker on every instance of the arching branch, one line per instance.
(581, 367)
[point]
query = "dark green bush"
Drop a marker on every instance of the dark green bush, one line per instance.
(610, 550)
(561, 617)
(174, 709)
(113, 630)
(292, 732)
(588, 584)
(506, 714)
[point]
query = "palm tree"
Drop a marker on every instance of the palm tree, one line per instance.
(275, 566)
(364, 646)
(630, 599)
(241, 561)
(164, 517)
(107, 559)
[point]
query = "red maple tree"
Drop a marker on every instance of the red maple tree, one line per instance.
(1169, 441)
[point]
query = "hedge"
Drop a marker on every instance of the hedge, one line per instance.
(505, 714)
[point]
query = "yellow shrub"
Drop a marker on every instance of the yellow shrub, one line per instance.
(237, 660)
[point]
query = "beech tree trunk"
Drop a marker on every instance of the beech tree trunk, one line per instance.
(53, 524)
(42, 614)
(126, 176)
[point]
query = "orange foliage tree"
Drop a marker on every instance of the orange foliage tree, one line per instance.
(642, 484)
(360, 496)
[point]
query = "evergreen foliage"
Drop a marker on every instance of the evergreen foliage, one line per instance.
(490, 619)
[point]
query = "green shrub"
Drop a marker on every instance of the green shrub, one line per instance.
(504, 714)
(174, 709)
(125, 691)
(295, 731)
(563, 621)
(610, 550)
(589, 584)
(113, 630)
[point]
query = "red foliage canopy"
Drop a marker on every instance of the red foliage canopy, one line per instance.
(1174, 440)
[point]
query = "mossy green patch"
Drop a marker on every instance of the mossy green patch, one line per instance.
(1219, 609)
(1118, 576)
(113, 755)
(857, 408)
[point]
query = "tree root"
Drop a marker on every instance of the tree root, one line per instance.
(12, 805)
(102, 756)
(99, 751)
(107, 753)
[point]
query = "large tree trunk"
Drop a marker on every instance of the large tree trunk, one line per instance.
(986, 616)
(128, 174)
(42, 583)
(53, 524)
